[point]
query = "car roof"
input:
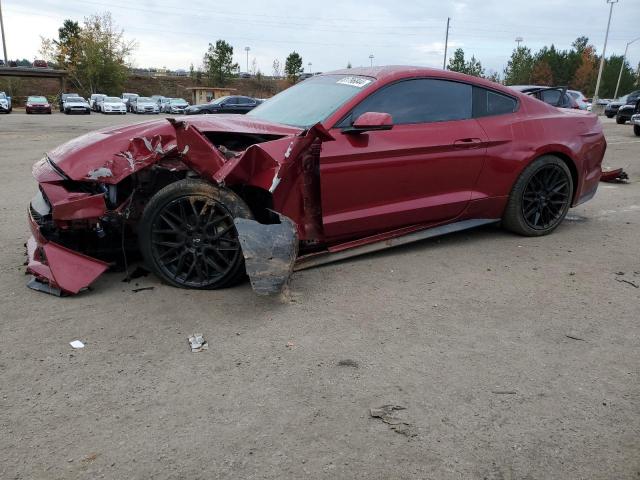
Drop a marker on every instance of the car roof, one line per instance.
(389, 73)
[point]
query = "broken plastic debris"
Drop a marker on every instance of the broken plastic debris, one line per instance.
(77, 344)
(198, 343)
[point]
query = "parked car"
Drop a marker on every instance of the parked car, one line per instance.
(113, 105)
(76, 105)
(556, 96)
(5, 103)
(40, 64)
(162, 103)
(145, 105)
(229, 104)
(581, 100)
(63, 97)
(94, 101)
(612, 107)
(635, 121)
(626, 111)
(127, 99)
(175, 105)
(13, 63)
(342, 164)
(37, 104)
(1, 63)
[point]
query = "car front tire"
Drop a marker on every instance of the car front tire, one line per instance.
(636, 130)
(187, 236)
(540, 198)
(620, 121)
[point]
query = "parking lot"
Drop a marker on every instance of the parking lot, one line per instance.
(514, 358)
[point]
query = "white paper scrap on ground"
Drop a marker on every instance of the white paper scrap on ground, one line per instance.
(77, 344)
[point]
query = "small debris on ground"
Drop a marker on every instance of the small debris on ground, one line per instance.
(198, 343)
(387, 413)
(504, 392)
(142, 289)
(290, 345)
(137, 273)
(575, 338)
(348, 363)
(77, 344)
(621, 280)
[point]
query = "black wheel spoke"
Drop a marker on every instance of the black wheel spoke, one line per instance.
(194, 241)
(546, 197)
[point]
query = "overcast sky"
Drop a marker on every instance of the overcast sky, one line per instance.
(332, 33)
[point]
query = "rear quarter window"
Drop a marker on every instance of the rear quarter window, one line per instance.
(487, 103)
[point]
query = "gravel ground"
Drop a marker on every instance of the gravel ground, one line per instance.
(515, 358)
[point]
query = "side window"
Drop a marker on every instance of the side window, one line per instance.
(232, 101)
(487, 103)
(418, 101)
(552, 97)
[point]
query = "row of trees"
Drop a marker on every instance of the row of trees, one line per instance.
(576, 68)
(220, 68)
(95, 53)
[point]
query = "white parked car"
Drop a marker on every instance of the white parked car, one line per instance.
(145, 105)
(94, 101)
(76, 105)
(113, 105)
(580, 99)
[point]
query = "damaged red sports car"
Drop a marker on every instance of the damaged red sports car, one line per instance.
(338, 165)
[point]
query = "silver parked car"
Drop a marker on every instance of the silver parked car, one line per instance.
(113, 105)
(175, 105)
(94, 101)
(145, 105)
(129, 99)
(76, 105)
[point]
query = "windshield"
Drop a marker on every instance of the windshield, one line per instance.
(218, 101)
(178, 100)
(37, 99)
(3, 95)
(75, 99)
(311, 101)
(112, 100)
(143, 99)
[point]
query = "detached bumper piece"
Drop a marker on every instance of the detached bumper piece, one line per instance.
(617, 175)
(269, 253)
(58, 270)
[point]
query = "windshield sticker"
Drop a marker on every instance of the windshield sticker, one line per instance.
(354, 82)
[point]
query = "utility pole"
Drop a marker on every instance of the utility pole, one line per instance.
(446, 45)
(247, 50)
(597, 109)
(519, 40)
(4, 42)
(624, 58)
(371, 57)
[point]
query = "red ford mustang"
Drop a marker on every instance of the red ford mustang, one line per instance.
(339, 165)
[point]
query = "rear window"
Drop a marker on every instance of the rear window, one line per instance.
(487, 102)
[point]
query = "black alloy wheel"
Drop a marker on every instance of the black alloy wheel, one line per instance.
(545, 197)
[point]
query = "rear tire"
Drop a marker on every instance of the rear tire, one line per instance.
(620, 121)
(609, 115)
(540, 198)
(636, 130)
(187, 236)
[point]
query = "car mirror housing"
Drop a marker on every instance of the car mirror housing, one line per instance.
(370, 121)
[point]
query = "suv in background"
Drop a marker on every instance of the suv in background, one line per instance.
(129, 100)
(581, 100)
(556, 96)
(626, 111)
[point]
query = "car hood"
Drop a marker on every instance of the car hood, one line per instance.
(111, 154)
(113, 104)
(76, 104)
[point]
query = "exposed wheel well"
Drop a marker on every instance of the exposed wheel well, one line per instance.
(259, 201)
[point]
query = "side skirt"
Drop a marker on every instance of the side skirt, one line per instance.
(317, 259)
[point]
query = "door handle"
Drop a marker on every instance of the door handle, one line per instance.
(468, 143)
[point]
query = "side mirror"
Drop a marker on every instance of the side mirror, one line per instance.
(370, 121)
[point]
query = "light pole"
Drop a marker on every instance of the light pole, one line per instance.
(371, 57)
(597, 109)
(624, 57)
(309, 64)
(446, 45)
(246, 49)
(4, 43)
(519, 40)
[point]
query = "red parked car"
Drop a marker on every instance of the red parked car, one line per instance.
(341, 164)
(40, 64)
(37, 104)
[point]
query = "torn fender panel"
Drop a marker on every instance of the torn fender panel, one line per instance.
(269, 253)
(73, 205)
(62, 268)
(617, 175)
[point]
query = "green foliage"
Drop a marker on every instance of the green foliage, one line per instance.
(293, 66)
(610, 75)
(457, 63)
(94, 55)
(519, 67)
(218, 63)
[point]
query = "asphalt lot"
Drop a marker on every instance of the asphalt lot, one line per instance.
(470, 332)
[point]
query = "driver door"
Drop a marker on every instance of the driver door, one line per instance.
(423, 170)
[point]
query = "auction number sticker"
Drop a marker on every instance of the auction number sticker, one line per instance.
(354, 82)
